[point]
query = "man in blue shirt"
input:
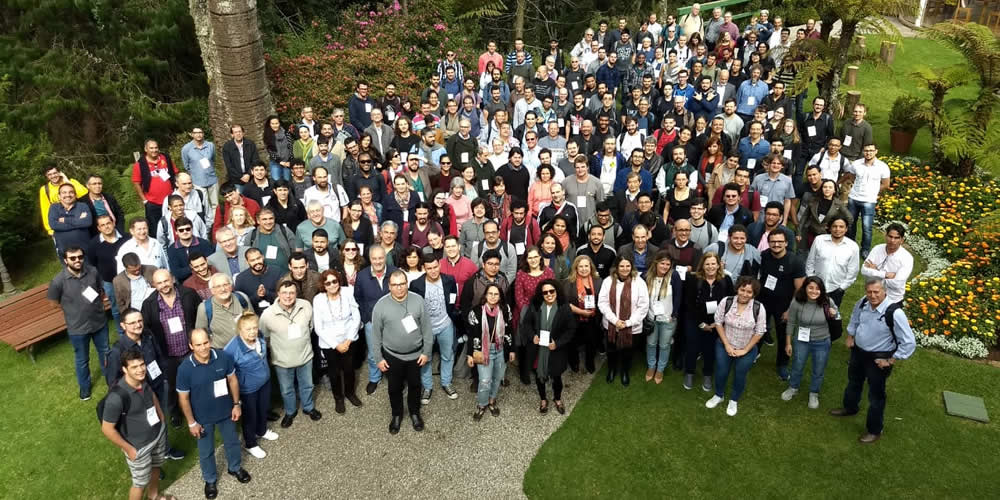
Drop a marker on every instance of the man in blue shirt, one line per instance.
(209, 395)
(751, 94)
(199, 160)
(753, 148)
(878, 335)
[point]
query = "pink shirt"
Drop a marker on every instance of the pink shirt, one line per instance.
(462, 208)
(486, 58)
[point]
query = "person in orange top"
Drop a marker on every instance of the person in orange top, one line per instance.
(153, 177)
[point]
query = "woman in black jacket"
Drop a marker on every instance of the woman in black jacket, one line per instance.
(549, 325)
(489, 347)
(704, 290)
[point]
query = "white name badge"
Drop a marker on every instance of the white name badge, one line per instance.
(368, 107)
(788, 154)
(658, 309)
(711, 306)
(164, 175)
(486, 184)
(409, 324)
(175, 325)
(361, 248)
(519, 248)
(271, 252)
(682, 271)
(544, 337)
(90, 294)
(451, 96)
(770, 282)
(220, 388)
(576, 129)
(420, 194)
(770, 114)
(763, 200)
(724, 235)
(803, 334)
(452, 297)
(811, 130)
(402, 157)
(751, 100)
(153, 369)
(561, 122)
(575, 85)
(581, 202)
(264, 200)
(391, 115)
(821, 217)
(721, 90)
(751, 163)
(151, 416)
(848, 140)
(588, 302)
(465, 157)
(294, 331)
(263, 304)
(205, 163)
(406, 215)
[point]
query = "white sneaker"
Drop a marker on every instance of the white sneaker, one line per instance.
(712, 403)
(813, 400)
(789, 394)
(270, 435)
(731, 409)
(257, 452)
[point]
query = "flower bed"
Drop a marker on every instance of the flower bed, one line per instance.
(954, 305)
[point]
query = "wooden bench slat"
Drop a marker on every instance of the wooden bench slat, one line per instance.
(31, 317)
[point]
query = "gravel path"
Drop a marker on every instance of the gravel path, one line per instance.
(354, 456)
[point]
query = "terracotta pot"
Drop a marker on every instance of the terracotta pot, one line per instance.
(901, 140)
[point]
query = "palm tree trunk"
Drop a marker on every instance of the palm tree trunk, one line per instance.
(829, 85)
(519, 19)
(6, 284)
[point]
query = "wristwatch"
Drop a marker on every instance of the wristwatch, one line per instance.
(238, 403)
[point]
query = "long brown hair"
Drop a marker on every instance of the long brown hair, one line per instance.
(700, 268)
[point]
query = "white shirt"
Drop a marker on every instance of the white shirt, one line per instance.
(829, 166)
(640, 303)
(629, 142)
(609, 172)
(333, 199)
(152, 255)
(836, 264)
(338, 320)
(899, 262)
(868, 179)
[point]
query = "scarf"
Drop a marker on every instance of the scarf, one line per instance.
(584, 287)
(545, 322)
(622, 339)
(493, 312)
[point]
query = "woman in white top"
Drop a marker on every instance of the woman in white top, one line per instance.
(410, 263)
(665, 292)
(242, 225)
(337, 319)
(624, 303)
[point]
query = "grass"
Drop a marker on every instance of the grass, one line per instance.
(650, 440)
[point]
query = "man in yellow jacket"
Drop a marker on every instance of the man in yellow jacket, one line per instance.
(48, 194)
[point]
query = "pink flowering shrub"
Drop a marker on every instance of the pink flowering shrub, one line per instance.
(320, 67)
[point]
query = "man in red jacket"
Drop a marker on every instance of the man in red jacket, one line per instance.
(231, 198)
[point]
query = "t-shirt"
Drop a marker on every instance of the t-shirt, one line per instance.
(201, 381)
(868, 180)
(140, 432)
(780, 274)
(436, 305)
(159, 181)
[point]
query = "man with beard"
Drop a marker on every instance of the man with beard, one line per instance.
(415, 233)
(260, 283)
(333, 197)
(153, 177)
(201, 272)
(366, 176)
(518, 230)
(559, 206)
(324, 158)
(602, 255)
(232, 198)
(70, 220)
(319, 255)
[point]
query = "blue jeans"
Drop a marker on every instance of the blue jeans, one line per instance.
(867, 216)
(81, 354)
(374, 374)
(490, 377)
(109, 290)
(279, 172)
(445, 340)
(662, 336)
(206, 449)
(740, 366)
(286, 381)
(820, 351)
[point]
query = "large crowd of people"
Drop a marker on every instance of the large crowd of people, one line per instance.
(656, 188)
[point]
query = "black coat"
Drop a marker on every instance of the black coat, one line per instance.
(231, 158)
(116, 210)
(562, 332)
(151, 314)
(419, 287)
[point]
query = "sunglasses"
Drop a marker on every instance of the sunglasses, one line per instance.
(365, 162)
(331, 282)
(446, 163)
(350, 249)
(74, 258)
(184, 230)
(548, 292)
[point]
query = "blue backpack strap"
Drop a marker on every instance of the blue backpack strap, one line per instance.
(208, 314)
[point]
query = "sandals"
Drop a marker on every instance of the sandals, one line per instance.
(560, 408)
(543, 407)
(478, 415)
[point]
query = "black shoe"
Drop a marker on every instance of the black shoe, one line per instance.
(314, 414)
(354, 400)
(494, 410)
(418, 423)
(211, 490)
(590, 367)
(175, 454)
(339, 406)
(370, 389)
(287, 420)
(273, 416)
(478, 415)
(241, 475)
(625, 379)
(504, 383)
(394, 424)
(611, 376)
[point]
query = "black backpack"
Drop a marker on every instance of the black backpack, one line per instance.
(890, 311)
(121, 425)
(731, 301)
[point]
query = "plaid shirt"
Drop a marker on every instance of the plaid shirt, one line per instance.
(177, 344)
(740, 328)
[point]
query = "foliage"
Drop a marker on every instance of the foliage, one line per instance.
(902, 115)
(321, 66)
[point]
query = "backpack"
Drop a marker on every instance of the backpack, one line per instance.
(730, 302)
(244, 301)
(120, 425)
(890, 311)
(282, 231)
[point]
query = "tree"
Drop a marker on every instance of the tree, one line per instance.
(233, 55)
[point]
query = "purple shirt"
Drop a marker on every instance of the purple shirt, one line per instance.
(177, 344)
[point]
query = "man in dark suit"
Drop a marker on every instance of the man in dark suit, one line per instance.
(240, 155)
(440, 293)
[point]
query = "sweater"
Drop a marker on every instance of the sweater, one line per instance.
(288, 333)
(808, 315)
(401, 329)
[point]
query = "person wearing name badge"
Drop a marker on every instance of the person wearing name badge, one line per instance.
(402, 342)
(138, 430)
(70, 220)
(286, 325)
(219, 313)
(582, 288)
(548, 330)
(704, 287)
(337, 319)
(249, 353)
(891, 262)
(259, 281)
(490, 347)
(470, 232)
(440, 293)
(360, 106)
(740, 322)
(519, 230)
(834, 258)
(665, 288)
(363, 219)
(209, 394)
(781, 273)
(807, 334)
(624, 304)
(871, 176)
(813, 214)
(351, 263)
(78, 290)
(818, 127)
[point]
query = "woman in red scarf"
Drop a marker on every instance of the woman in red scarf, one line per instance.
(582, 289)
(624, 303)
(548, 329)
(489, 348)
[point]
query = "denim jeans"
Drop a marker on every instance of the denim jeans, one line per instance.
(109, 290)
(820, 351)
(286, 382)
(490, 377)
(374, 374)
(867, 216)
(279, 172)
(81, 354)
(740, 366)
(659, 341)
(445, 339)
(206, 449)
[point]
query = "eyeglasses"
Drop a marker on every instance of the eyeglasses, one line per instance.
(446, 163)
(331, 282)
(74, 258)
(350, 249)
(133, 323)
(682, 230)
(184, 229)
(397, 284)
(365, 162)
(550, 291)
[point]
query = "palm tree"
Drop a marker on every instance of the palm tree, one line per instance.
(6, 285)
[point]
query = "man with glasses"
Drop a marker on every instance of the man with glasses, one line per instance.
(330, 193)
(101, 203)
(771, 222)
(196, 200)
(341, 130)
(228, 259)
(286, 325)
(748, 197)
(360, 106)
(77, 288)
(703, 233)
(683, 251)
(317, 220)
(186, 243)
(781, 274)
(198, 157)
(371, 285)
(402, 343)
(492, 242)
(169, 315)
(871, 176)
(774, 186)
(462, 147)
(640, 252)
(730, 212)
(232, 198)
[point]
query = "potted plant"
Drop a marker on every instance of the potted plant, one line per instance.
(904, 123)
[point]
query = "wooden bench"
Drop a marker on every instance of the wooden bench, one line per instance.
(706, 9)
(29, 318)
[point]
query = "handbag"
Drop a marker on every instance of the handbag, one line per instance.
(477, 358)
(834, 323)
